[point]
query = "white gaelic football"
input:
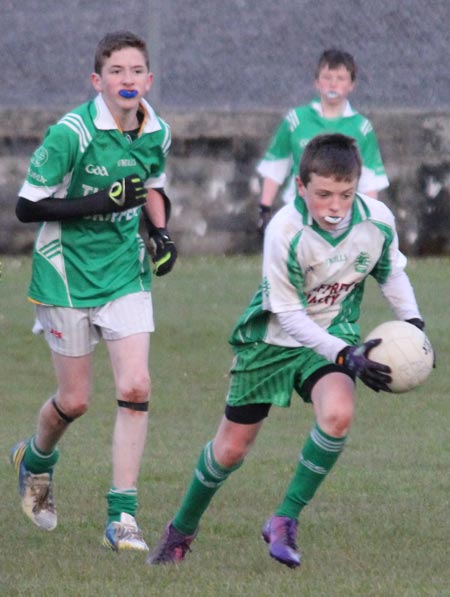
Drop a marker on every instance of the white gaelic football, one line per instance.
(406, 350)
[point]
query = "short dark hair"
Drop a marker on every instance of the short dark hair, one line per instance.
(117, 40)
(331, 155)
(334, 58)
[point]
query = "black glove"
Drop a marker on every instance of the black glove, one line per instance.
(127, 192)
(419, 323)
(165, 252)
(264, 216)
(373, 374)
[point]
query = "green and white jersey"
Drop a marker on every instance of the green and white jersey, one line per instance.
(307, 269)
(92, 260)
(281, 161)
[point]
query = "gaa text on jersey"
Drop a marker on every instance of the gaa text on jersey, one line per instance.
(97, 170)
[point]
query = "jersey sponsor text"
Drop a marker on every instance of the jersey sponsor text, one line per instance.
(328, 293)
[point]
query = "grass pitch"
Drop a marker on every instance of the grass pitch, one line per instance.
(378, 526)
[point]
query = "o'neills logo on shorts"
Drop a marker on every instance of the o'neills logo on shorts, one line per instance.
(56, 333)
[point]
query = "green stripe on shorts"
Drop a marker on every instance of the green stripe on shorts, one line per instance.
(265, 373)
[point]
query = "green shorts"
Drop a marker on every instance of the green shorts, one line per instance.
(265, 373)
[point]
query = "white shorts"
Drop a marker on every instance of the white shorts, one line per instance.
(75, 332)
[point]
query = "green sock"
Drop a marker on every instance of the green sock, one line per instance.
(38, 462)
(121, 500)
(207, 479)
(318, 456)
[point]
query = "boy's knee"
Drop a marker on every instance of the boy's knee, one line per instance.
(78, 410)
(229, 454)
(136, 389)
(337, 422)
(70, 409)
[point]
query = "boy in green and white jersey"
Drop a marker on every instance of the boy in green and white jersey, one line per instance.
(91, 277)
(69, 254)
(300, 333)
(331, 112)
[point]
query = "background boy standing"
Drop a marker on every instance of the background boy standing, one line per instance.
(91, 277)
(331, 112)
(301, 332)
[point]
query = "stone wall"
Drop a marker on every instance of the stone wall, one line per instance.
(212, 182)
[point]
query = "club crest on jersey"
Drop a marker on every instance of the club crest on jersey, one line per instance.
(97, 170)
(39, 157)
(362, 263)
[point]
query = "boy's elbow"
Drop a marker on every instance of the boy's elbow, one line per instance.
(23, 211)
(20, 213)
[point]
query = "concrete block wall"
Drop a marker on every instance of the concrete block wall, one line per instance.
(225, 73)
(214, 189)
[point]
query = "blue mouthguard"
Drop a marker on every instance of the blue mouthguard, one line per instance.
(128, 94)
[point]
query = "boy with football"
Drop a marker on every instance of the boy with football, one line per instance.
(95, 171)
(300, 332)
(331, 112)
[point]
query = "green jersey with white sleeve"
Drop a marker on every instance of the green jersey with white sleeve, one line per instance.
(90, 261)
(308, 269)
(281, 161)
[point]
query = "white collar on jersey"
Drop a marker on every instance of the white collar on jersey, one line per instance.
(348, 110)
(104, 119)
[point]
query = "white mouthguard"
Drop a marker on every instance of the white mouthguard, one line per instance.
(333, 219)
